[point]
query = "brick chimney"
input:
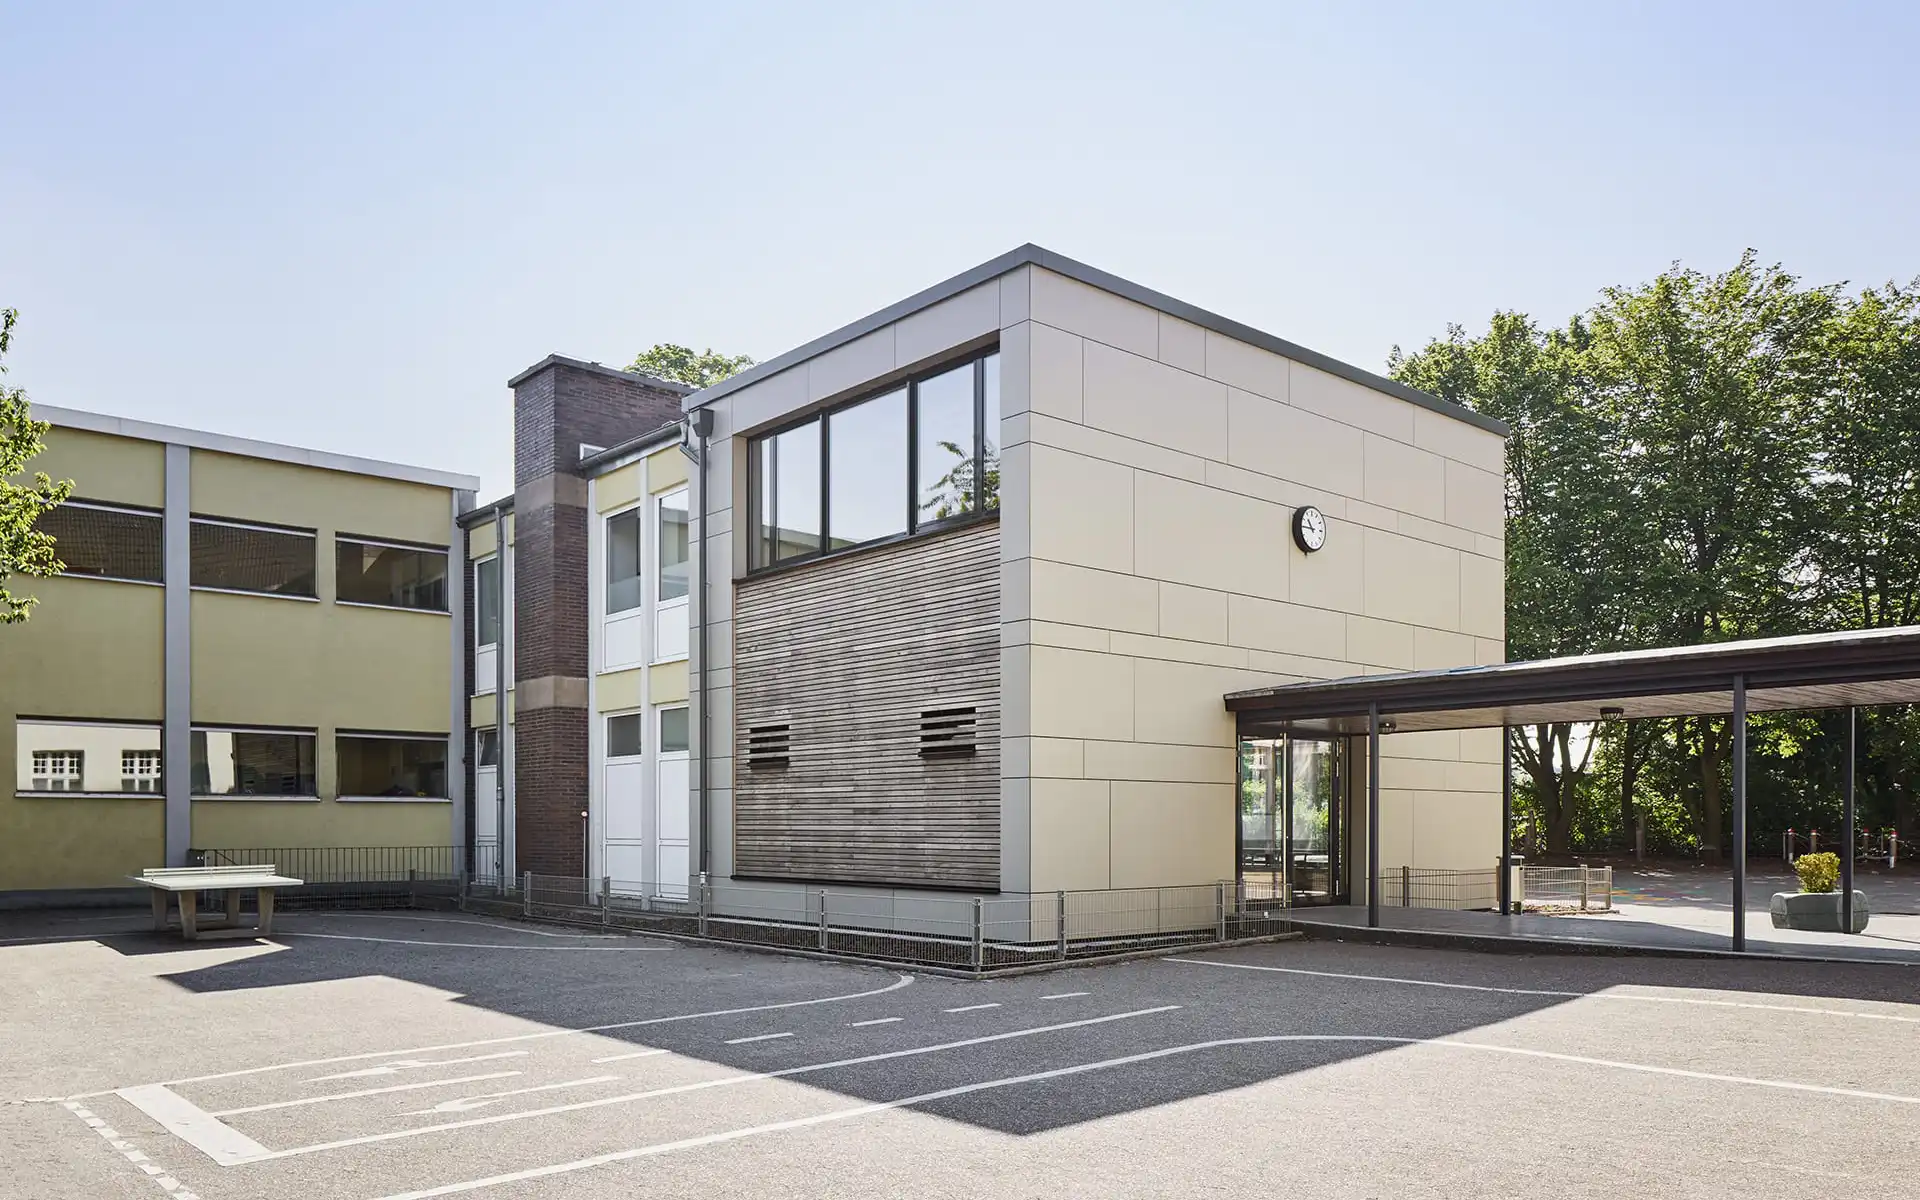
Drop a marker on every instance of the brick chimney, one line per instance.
(559, 404)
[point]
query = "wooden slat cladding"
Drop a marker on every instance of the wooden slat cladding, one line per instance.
(858, 658)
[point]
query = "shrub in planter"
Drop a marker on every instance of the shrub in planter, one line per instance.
(1818, 872)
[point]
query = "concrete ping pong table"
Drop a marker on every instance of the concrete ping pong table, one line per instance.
(188, 882)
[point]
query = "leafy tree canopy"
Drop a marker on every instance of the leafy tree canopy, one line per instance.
(24, 550)
(696, 368)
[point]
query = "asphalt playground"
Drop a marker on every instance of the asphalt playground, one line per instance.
(377, 1056)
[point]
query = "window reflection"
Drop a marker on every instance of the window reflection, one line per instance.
(945, 457)
(673, 546)
(487, 602)
(249, 558)
(394, 576)
(104, 541)
(96, 759)
(867, 472)
(232, 762)
(623, 562)
(412, 767)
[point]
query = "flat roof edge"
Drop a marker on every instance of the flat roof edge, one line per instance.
(200, 439)
(561, 360)
(1039, 256)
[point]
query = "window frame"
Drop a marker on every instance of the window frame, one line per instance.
(130, 510)
(606, 735)
(312, 535)
(354, 539)
(374, 735)
(657, 504)
(915, 527)
(500, 600)
(256, 797)
(638, 511)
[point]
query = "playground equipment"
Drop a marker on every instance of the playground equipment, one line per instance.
(1870, 845)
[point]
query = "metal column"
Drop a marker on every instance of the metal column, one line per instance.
(1739, 812)
(1847, 835)
(1373, 816)
(1506, 824)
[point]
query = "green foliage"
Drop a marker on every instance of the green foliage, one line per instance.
(24, 550)
(1818, 872)
(697, 368)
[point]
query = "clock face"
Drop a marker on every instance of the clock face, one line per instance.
(1309, 528)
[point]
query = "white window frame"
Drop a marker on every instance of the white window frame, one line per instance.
(655, 505)
(641, 613)
(606, 742)
(500, 570)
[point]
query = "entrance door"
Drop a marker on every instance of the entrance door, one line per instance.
(1290, 844)
(1313, 820)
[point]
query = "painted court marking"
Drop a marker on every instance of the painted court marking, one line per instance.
(896, 985)
(758, 1037)
(702, 1085)
(545, 933)
(1065, 995)
(469, 1103)
(624, 1057)
(633, 943)
(971, 1007)
(379, 1091)
(844, 1114)
(187, 1121)
(416, 1064)
(875, 1021)
(1480, 987)
(152, 1170)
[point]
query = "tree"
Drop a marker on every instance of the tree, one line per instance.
(700, 369)
(24, 550)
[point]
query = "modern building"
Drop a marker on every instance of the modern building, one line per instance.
(948, 600)
(252, 647)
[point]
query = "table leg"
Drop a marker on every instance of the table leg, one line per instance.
(266, 911)
(189, 913)
(233, 906)
(159, 910)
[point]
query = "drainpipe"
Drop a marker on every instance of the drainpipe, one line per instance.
(502, 764)
(699, 429)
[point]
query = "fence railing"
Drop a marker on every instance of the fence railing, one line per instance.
(1587, 889)
(1430, 887)
(972, 933)
(349, 876)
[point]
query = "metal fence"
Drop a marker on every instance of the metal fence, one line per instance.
(1566, 889)
(350, 876)
(969, 933)
(1429, 887)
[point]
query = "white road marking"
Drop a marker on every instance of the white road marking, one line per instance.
(469, 1103)
(624, 1057)
(896, 985)
(862, 1110)
(1065, 995)
(758, 1037)
(875, 1021)
(148, 1167)
(971, 1007)
(545, 933)
(416, 1064)
(1609, 995)
(726, 1081)
(379, 1091)
(634, 943)
(192, 1125)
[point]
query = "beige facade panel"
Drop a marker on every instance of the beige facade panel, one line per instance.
(482, 713)
(666, 470)
(1071, 835)
(1092, 313)
(1275, 439)
(482, 541)
(226, 485)
(92, 649)
(1192, 614)
(1071, 595)
(1404, 478)
(617, 691)
(1183, 344)
(80, 842)
(617, 489)
(1380, 643)
(1411, 581)
(1459, 441)
(668, 682)
(1350, 403)
(1248, 368)
(1483, 593)
(267, 824)
(1287, 628)
(932, 333)
(1081, 510)
(116, 470)
(1169, 834)
(1476, 500)
(1204, 537)
(1080, 695)
(1057, 373)
(1148, 401)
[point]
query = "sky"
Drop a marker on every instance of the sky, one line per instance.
(346, 225)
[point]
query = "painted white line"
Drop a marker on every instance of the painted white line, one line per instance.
(875, 1021)
(193, 1125)
(971, 1007)
(158, 1174)
(545, 933)
(758, 1037)
(725, 1081)
(624, 1057)
(1065, 995)
(895, 986)
(379, 1091)
(634, 944)
(415, 1064)
(1560, 995)
(469, 1103)
(844, 1114)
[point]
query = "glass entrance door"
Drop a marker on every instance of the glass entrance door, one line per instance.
(1291, 848)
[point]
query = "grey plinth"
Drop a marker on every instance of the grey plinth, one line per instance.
(1819, 911)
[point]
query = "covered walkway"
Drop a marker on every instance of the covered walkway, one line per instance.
(1834, 670)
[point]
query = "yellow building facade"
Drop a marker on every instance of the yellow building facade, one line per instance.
(253, 647)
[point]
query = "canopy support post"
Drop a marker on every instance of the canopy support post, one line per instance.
(1373, 816)
(1847, 835)
(1739, 812)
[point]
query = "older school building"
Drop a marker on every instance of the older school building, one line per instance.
(946, 601)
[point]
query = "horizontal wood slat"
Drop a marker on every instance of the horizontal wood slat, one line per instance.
(853, 657)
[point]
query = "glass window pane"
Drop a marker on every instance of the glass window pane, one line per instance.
(792, 481)
(245, 559)
(106, 543)
(673, 731)
(623, 736)
(229, 762)
(487, 603)
(486, 751)
(867, 474)
(392, 766)
(623, 562)
(990, 425)
(673, 546)
(945, 454)
(760, 501)
(86, 757)
(397, 576)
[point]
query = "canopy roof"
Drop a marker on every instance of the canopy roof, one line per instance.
(1821, 670)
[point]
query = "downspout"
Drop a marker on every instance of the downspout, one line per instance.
(501, 761)
(699, 429)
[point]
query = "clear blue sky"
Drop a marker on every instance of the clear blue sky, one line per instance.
(345, 225)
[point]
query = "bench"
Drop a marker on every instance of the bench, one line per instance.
(188, 882)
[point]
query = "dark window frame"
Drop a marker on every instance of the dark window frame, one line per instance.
(312, 535)
(438, 740)
(915, 527)
(480, 595)
(311, 762)
(357, 539)
(131, 510)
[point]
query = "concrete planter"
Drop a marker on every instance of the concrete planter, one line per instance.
(1818, 911)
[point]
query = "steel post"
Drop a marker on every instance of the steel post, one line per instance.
(1506, 823)
(1847, 834)
(1373, 816)
(1740, 812)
